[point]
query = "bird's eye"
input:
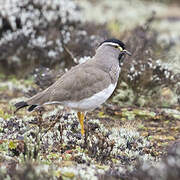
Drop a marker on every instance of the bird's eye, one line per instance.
(119, 47)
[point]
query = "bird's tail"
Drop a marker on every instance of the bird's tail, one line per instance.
(24, 104)
(20, 105)
(36, 100)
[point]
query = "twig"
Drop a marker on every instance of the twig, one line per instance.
(53, 124)
(70, 54)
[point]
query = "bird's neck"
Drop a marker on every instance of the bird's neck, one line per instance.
(106, 57)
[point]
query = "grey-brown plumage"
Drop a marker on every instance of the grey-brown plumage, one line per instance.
(84, 80)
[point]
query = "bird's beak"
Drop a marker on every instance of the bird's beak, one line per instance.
(127, 52)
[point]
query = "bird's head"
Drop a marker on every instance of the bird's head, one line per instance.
(117, 47)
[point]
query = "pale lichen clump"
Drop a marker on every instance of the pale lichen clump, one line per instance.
(23, 17)
(82, 171)
(145, 74)
(35, 139)
(123, 12)
(124, 138)
(36, 31)
(84, 59)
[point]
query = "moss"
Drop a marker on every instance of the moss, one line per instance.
(12, 145)
(4, 115)
(3, 88)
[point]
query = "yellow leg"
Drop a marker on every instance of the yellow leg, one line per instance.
(81, 120)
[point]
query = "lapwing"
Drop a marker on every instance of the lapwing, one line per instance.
(85, 86)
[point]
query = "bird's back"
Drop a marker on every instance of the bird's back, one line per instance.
(81, 81)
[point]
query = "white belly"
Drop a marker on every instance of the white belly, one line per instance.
(91, 102)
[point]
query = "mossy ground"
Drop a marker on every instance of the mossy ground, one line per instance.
(121, 138)
(48, 144)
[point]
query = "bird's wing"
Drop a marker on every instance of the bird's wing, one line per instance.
(79, 83)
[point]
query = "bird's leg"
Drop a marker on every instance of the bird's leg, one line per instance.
(81, 120)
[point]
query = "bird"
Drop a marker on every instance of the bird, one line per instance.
(87, 85)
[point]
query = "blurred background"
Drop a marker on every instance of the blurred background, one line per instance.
(40, 40)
